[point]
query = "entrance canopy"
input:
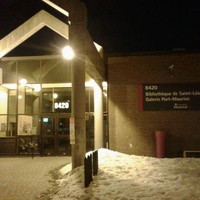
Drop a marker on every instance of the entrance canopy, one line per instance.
(95, 66)
(29, 28)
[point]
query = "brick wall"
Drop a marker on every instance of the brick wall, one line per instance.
(132, 131)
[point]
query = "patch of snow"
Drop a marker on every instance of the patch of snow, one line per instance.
(131, 177)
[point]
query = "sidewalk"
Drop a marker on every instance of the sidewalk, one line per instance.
(24, 178)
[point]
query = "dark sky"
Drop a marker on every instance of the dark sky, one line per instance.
(45, 42)
(120, 26)
(144, 25)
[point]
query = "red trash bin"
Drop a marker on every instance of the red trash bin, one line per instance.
(160, 144)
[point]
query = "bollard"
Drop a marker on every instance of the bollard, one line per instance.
(95, 162)
(160, 144)
(88, 169)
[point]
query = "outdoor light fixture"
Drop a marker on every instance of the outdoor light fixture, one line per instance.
(104, 84)
(36, 87)
(20, 97)
(55, 95)
(171, 70)
(23, 82)
(68, 53)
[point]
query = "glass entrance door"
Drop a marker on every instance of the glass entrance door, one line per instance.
(55, 135)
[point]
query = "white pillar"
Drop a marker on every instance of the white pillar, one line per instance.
(78, 18)
(78, 112)
(98, 117)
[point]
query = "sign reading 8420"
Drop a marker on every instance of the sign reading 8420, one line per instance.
(61, 105)
(151, 87)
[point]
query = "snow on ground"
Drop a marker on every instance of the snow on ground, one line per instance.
(24, 178)
(130, 177)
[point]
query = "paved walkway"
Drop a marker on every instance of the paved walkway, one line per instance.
(24, 178)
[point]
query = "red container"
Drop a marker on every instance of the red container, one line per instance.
(160, 144)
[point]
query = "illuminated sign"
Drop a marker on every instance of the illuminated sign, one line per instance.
(61, 105)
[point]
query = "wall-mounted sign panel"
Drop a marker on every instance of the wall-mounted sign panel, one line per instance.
(72, 131)
(158, 97)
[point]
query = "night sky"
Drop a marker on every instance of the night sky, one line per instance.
(44, 42)
(144, 25)
(121, 26)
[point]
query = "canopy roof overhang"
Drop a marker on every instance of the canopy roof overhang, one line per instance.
(95, 66)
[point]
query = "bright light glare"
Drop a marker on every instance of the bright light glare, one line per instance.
(104, 84)
(36, 87)
(20, 97)
(23, 82)
(55, 95)
(68, 53)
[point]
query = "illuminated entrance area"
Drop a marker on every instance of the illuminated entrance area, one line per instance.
(35, 107)
(55, 135)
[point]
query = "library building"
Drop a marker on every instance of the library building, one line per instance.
(49, 100)
(141, 103)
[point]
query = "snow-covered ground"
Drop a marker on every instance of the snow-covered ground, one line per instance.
(24, 178)
(130, 177)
